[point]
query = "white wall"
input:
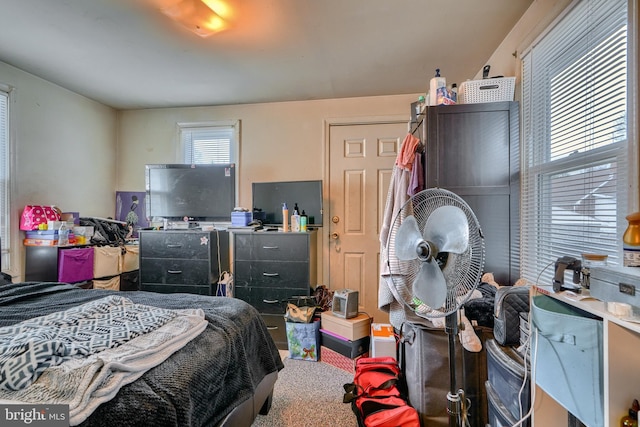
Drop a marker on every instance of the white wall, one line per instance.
(65, 152)
(279, 141)
(505, 61)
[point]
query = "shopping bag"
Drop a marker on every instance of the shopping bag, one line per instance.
(303, 340)
(299, 314)
(34, 215)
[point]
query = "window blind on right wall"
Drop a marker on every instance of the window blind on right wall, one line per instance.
(574, 138)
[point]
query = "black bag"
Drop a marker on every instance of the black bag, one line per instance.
(424, 358)
(106, 232)
(510, 302)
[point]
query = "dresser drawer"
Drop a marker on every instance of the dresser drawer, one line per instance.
(277, 329)
(272, 301)
(170, 289)
(272, 247)
(167, 244)
(269, 274)
(175, 271)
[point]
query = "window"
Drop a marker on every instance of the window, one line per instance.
(5, 213)
(574, 130)
(206, 143)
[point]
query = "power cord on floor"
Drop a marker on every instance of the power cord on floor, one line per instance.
(527, 348)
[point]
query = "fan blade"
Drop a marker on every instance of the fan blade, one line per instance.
(430, 286)
(448, 229)
(408, 238)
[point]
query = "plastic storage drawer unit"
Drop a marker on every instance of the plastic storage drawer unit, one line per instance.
(506, 373)
(499, 415)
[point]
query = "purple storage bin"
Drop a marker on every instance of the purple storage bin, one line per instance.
(75, 265)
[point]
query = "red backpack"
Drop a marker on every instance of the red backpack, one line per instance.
(376, 397)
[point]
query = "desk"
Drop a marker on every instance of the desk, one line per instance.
(621, 365)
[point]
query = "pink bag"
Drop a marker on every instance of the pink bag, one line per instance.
(33, 215)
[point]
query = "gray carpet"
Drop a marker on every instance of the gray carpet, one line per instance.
(309, 394)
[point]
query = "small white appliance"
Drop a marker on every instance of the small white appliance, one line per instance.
(345, 303)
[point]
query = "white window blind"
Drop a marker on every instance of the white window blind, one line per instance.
(574, 147)
(205, 144)
(5, 221)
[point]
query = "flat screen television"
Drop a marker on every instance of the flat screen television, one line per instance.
(269, 197)
(198, 192)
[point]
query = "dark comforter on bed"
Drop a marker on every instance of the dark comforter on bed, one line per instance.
(198, 385)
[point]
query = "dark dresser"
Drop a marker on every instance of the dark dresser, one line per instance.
(187, 261)
(271, 267)
(473, 151)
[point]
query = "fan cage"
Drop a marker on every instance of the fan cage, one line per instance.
(462, 272)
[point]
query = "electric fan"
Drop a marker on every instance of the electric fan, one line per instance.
(435, 253)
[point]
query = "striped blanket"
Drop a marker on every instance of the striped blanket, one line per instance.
(197, 385)
(29, 347)
(83, 356)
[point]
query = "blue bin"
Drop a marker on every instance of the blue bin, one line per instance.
(567, 350)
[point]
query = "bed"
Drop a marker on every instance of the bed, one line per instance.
(223, 376)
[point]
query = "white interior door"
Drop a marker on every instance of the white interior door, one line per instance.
(361, 159)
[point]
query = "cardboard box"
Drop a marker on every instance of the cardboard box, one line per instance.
(383, 340)
(350, 349)
(351, 329)
(338, 360)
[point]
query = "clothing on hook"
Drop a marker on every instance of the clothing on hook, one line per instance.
(407, 152)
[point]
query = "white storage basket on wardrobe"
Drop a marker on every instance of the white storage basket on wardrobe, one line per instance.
(487, 90)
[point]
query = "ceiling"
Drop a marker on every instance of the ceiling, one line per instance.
(128, 55)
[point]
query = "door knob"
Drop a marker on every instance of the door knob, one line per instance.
(335, 236)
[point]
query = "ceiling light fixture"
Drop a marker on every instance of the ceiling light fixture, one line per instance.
(197, 16)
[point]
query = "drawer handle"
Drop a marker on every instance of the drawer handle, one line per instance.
(272, 328)
(174, 245)
(269, 247)
(270, 301)
(174, 271)
(270, 274)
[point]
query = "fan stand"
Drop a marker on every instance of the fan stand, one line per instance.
(456, 399)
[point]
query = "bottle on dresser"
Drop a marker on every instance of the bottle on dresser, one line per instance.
(285, 217)
(295, 219)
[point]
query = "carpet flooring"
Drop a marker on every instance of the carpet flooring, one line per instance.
(309, 394)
